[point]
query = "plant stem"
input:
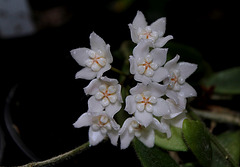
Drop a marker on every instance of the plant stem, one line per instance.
(59, 158)
(224, 117)
(118, 71)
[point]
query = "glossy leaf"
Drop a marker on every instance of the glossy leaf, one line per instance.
(174, 143)
(197, 139)
(153, 157)
(226, 81)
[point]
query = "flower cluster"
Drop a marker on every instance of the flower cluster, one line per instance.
(157, 102)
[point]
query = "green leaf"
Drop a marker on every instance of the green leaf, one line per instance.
(174, 143)
(218, 159)
(153, 157)
(230, 140)
(197, 139)
(225, 82)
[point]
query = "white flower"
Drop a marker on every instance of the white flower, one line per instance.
(95, 60)
(101, 125)
(145, 102)
(146, 135)
(141, 31)
(178, 73)
(145, 65)
(176, 116)
(106, 94)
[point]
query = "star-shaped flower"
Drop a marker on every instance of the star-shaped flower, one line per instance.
(131, 128)
(178, 73)
(145, 65)
(106, 94)
(101, 125)
(154, 33)
(145, 102)
(95, 61)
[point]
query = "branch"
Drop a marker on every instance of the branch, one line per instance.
(59, 158)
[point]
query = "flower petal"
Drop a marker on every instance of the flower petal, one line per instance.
(161, 108)
(94, 105)
(112, 109)
(95, 137)
(178, 121)
(160, 74)
(159, 26)
(133, 65)
(108, 54)
(102, 70)
(86, 73)
(159, 56)
(97, 43)
(80, 55)
(171, 64)
(147, 137)
(125, 136)
(138, 89)
(84, 120)
(156, 89)
(162, 41)
(130, 104)
(142, 49)
(93, 87)
(186, 69)
(144, 117)
(187, 91)
(172, 95)
(113, 135)
(139, 20)
(133, 32)
(142, 78)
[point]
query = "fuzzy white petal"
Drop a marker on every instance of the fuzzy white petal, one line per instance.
(187, 91)
(160, 42)
(84, 120)
(147, 137)
(186, 69)
(144, 117)
(139, 20)
(94, 105)
(159, 26)
(80, 55)
(130, 104)
(96, 42)
(86, 73)
(95, 137)
(161, 108)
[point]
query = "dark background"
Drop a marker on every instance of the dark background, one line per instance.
(48, 99)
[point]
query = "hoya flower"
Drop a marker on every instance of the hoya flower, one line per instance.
(101, 125)
(95, 60)
(178, 73)
(154, 33)
(106, 94)
(145, 65)
(131, 128)
(145, 101)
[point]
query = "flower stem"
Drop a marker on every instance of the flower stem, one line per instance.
(118, 71)
(59, 158)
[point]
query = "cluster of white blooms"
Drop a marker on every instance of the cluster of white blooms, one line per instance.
(157, 102)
